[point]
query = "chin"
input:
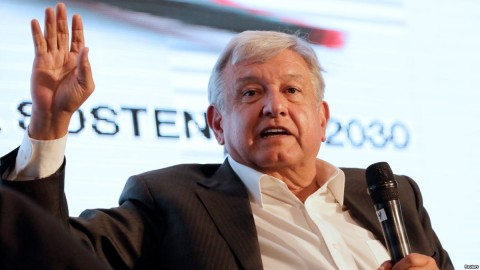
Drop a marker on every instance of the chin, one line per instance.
(274, 159)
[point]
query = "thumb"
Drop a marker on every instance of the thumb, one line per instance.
(84, 71)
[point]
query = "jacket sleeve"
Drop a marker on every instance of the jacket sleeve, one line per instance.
(26, 240)
(124, 237)
(46, 193)
(440, 255)
(128, 236)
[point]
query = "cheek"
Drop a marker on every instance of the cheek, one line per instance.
(234, 128)
(310, 124)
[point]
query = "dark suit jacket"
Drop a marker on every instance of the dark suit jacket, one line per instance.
(30, 239)
(196, 216)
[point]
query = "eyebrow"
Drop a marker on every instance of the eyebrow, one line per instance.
(246, 79)
(296, 77)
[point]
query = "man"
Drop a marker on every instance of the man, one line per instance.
(271, 204)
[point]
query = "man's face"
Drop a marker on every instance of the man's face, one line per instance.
(271, 118)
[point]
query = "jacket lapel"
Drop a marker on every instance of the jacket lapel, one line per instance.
(226, 200)
(359, 202)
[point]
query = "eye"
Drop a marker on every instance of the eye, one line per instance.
(249, 93)
(294, 93)
(292, 90)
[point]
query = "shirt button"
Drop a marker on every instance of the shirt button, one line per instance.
(336, 246)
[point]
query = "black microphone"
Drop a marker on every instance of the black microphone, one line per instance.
(382, 188)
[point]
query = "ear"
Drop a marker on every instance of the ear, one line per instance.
(214, 118)
(324, 116)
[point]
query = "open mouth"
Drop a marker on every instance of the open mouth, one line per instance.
(272, 132)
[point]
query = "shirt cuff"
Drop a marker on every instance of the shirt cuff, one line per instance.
(38, 159)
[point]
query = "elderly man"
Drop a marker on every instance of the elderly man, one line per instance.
(272, 204)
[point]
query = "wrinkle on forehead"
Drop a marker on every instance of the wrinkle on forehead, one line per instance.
(253, 78)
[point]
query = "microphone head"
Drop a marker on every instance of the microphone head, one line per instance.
(381, 183)
(378, 173)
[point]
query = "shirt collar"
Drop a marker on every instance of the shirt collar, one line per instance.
(253, 179)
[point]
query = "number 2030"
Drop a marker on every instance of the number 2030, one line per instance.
(375, 133)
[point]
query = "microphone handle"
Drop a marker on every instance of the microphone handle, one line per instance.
(390, 216)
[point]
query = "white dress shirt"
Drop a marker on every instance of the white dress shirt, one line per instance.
(317, 234)
(37, 159)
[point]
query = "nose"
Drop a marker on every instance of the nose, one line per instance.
(275, 104)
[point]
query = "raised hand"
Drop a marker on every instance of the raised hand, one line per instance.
(61, 76)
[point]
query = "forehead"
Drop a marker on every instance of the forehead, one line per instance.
(285, 65)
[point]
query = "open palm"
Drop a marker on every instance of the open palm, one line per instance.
(61, 76)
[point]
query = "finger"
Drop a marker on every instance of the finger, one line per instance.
(85, 71)
(38, 40)
(78, 40)
(50, 29)
(385, 266)
(415, 261)
(62, 27)
(418, 260)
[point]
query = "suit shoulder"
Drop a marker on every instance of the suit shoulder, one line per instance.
(354, 174)
(353, 171)
(179, 173)
(177, 179)
(359, 175)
